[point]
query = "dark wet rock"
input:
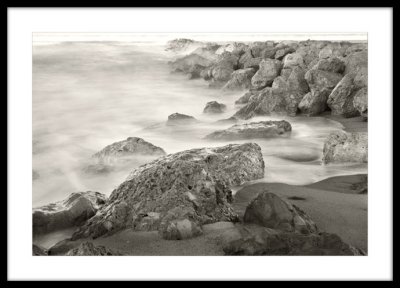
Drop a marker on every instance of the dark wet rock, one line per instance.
(341, 147)
(62, 247)
(340, 101)
(73, 211)
(268, 52)
(360, 101)
(180, 119)
(196, 180)
(123, 153)
(240, 79)
(257, 240)
(263, 129)
(321, 84)
(269, 210)
(88, 249)
(214, 107)
(332, 64)
(38, 251)
(269, 70)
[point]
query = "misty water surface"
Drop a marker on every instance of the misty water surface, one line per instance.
(87, 95)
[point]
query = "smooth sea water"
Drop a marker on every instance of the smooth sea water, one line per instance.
(87, 95)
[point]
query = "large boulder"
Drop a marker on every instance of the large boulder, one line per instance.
(266, 102)
(214, 107)
(222, 70)
(340, 101)
(180, 119)
(88, 249)
(270, 211)
(122, 153)
(360, 101)
(263, 129)
(293, 60)
(321, 84)
(197, 179)
(343, 147)
(269, 70)
(252, 240)
(71, 212)
(253, 63)
(282, 52)
(240, 79)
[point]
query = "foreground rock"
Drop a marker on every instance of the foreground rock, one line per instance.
(73, 211)
(180, 119)
(214, 107)
(360, 101)
(343, 146)
(263, 129)
(257, 240)
(38, 251)
(193, 183)
(88, 249)
(122, 153)
(273, 226)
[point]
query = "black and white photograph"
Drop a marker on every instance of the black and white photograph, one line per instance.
(201, 143)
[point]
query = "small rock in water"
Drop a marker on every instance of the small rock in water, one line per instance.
(263, 129)
(180, 119)
(214, 107)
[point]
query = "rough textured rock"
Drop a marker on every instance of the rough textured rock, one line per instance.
(340, 101)
(343, 146)
(244, 99)
(332, 64)
(122, 153)
(214, 107)
(292, 87)
(321, 84)
(235, 48)
(240, 79)
(73, 211)
(257, 240)
(293, 60)
(269, 70)
(360, 101)
(280, 53)
(355, 61)
(38, 251)
(263, 129)
(197, 179)
(180, 45)
(208, 51)
(88, 249)
(270, 211)
(180, 119)
(179, 224)
(222, 70)
(265, 102)
(253, 63)
(361, 77)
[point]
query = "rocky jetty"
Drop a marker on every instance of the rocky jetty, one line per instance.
(193, 186)
(343, 147)
(71, 212)
(88, 249)
(180, 119)
(263, 129)
(122, 153)
(273, 226)
(289, 77)
(214, 107)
